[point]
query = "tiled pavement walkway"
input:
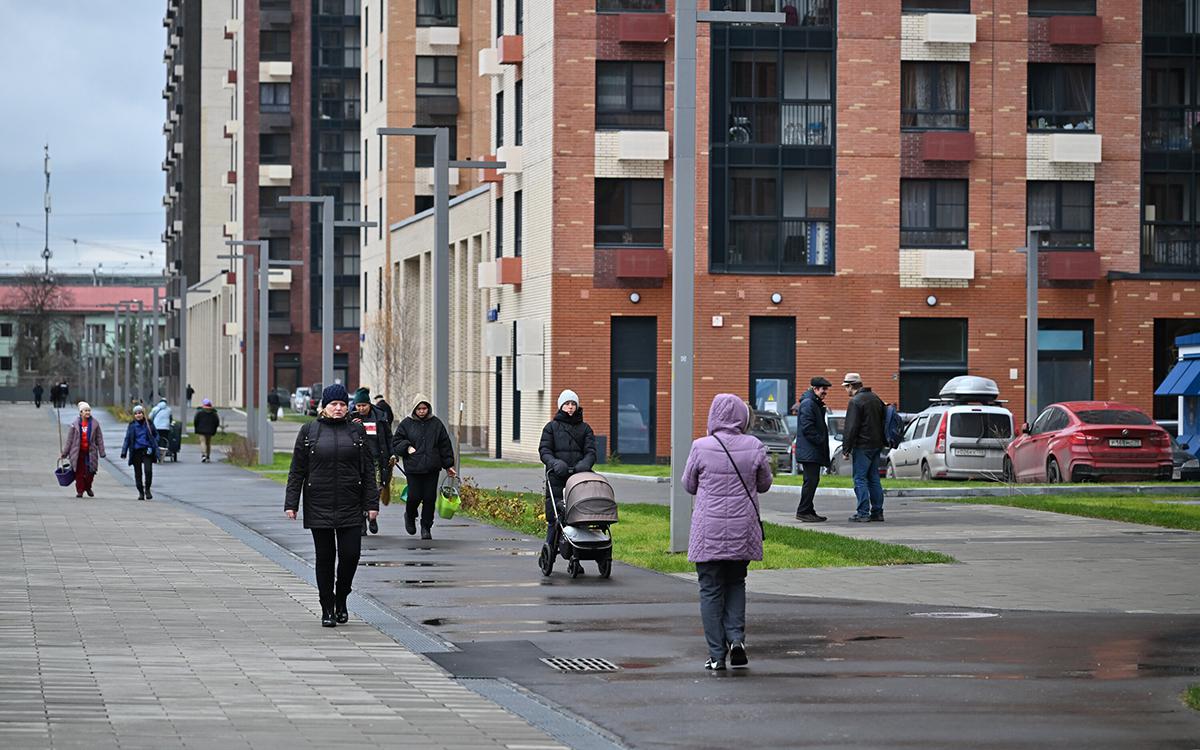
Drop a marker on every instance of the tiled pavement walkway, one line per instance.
(140, 625)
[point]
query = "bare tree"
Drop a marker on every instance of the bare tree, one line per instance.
(45, 339)
(398, 372)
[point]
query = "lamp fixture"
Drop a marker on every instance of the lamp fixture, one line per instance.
(634, 297)
(931, 300)
(776, 298)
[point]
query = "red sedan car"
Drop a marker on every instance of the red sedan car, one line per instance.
(1080, 440)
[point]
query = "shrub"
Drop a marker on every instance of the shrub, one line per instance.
(242, 452)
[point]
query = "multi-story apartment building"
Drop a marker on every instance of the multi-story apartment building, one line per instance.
(864, 185)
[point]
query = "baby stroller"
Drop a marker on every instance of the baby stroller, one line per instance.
(170, 443)
(581, 520)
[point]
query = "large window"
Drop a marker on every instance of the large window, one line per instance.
(1064, 361)
(631, 6)
(437, 76)
(933, 95)
(933, 213)
(339, 48)
(519, 114)
(1169, 224)
(629, 95)
(274, 45)
(935, 6)
(1170, 17)
(762, 111)
(274, 97)
(1062, 7)
(437, 13)
(338, 151)
(499, 227)
(518, 221)
(499, 113)
(268, 201)
(1062, 97)
(339, 98)
(932, 350)
(778, 222)
(274, 148)
(1065, 207)
(629, 212)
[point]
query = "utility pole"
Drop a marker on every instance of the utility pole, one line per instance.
(327, 220)
(154, 352)
(46, 254)
(247, 331)
(1031, 320)
(116, 371)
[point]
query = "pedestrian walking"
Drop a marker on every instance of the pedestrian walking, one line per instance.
(382, 405)
(37, 395)
(333, 472)
(141, 448)
(54, 396)
(862, 444)
(423, 444)
(726, 471)
(84, 448)
(64, 394)
(205, 425)
(160, 416)
(189, 393)
(379, 440)
(273, 403)
(568, 446)
(812, 445)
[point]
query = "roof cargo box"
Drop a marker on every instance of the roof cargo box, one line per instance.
(966, 388)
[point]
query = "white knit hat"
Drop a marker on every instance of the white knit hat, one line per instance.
(568, 395)
(84, 405)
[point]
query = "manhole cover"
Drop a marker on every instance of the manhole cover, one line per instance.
(581, 665)
(954, 615)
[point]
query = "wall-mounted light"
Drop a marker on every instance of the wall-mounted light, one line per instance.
(931, 300)
(287, 347)
(337, 347)
(776, 298)
(634, 297)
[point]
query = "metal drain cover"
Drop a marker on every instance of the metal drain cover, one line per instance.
(954, 615)
(580, 665)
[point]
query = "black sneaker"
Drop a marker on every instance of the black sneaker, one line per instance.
(90, 493)
(876, 517)
(425, 534)
(373, 525)
(714, 665)
(737, 655)
(149, 494)
(410, 525)
(141, 496)
(859, 519)
(809, 517)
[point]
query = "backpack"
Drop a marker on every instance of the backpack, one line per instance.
(893, 427)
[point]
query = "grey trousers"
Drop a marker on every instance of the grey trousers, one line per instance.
(722, 603)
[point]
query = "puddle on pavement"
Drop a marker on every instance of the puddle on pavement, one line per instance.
(397, 564)
(875, 638)
(551, 626)
(517, 552)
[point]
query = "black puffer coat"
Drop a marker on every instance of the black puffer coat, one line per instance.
(568, 445)
(379, 437)
(333, 470)
(864, 422)
(428, 436)
(812, 431)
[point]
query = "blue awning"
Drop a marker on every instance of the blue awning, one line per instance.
(1183, 380)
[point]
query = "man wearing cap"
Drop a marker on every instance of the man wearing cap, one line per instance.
(812, 445)
(205, 425)
(379, 440)
(862, 444)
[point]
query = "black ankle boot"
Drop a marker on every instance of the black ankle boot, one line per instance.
(327, 617)
(340, 613)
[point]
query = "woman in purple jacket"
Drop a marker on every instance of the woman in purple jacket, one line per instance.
(725, 471)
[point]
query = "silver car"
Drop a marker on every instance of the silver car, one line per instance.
(954, 441)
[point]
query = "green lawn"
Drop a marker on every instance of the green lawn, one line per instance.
(221, 438)
(1149, 510)
(475, 462)
(1191, 696)
(641, 538)
(291, 416)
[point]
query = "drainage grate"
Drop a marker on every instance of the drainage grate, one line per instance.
(953, 615)
(581, 665)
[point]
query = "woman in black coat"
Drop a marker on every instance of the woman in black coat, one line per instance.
(568, 447)
(423, 443)
(333, 471)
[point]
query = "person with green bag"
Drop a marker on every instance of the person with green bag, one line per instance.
(423, 444)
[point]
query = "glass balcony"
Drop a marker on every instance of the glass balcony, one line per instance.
(1171, 248)
(1171, 129)
(778, 246)
(788, 124)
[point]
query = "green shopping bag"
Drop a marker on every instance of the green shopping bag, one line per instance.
(448, 499)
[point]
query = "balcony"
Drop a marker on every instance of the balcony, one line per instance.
(643, 145)
(1173, 129)
(232, 27)
(787, 124)
(1081, 31)
(1068, 265)
(1079, 148)
(231, 128)
(279, 278)
(510, 49)
(644, 28)
(937, 145)
(508, 271)
(231, 229)
(949, 28)
(1168, 248)
(777, 246)
(642, 263)
(489, 62)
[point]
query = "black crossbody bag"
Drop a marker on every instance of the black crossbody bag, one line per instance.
(745, 486)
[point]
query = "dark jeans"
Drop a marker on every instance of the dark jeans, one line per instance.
(143, 466)
(722, 604)
(867, 487)
(812, 477)
(422, 494)
(556, 487)
(345, 545)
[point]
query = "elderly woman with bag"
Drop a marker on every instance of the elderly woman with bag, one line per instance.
(84, 448)
(726, 471)
(141, 447)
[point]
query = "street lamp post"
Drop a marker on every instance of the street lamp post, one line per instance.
(128, 303)
(248, 338)
(116, 371)
(183, 316)
(441, 253)
(154, 352)
(327, 222)
(1031, 320)
(683, 257)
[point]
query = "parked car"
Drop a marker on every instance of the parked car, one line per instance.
(299, 400)
(314, 399)
(1184, 464)
(1079, 440)
(770, 428)
(963, 436)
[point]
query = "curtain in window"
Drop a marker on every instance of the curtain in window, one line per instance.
(1041, 209)
(915, 205)
(1077, 91)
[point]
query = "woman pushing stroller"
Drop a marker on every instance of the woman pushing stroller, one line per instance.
(568, 447)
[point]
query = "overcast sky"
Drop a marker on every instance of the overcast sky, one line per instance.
(85, 76)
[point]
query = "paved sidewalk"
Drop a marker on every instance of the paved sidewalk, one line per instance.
(140, 625)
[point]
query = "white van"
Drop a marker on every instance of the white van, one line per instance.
(962, 436)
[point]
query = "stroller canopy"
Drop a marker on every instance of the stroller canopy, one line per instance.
(589, 499)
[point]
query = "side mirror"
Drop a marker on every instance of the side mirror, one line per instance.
(1184, 446)
(1025, 428)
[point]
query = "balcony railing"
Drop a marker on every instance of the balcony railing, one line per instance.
(789, 124)
(1171, 129)
(1168, 247)
(778, 246)
(806, 124)
(807, 12)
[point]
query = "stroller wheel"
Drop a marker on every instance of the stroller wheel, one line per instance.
(605, 566)
(575, 568)
(546, 560)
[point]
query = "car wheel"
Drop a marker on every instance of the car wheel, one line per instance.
(926, 474)
(1053, 473)
(1008, 474)
(891, 470)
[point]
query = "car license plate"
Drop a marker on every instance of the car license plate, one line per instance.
(970, 452)
(1117, 443)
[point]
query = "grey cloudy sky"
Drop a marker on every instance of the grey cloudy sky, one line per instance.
(85, 76)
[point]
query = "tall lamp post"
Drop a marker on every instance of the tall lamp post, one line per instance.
(184, 290)
(683, 257)
(441, 252)
(248, 337)
(327, 221)
(116, 370)
(1031, 320)
(128, 304)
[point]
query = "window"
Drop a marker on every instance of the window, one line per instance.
(380, 81)
(518, 220)
(336, 151)
(279, 248)
(365, 297)
(1168, 105)
(932, 350)
(629, 95)
(379, 288)
(1064, 360)
(437, 76)
(424, 148)
(379, 221)
(805, 112)
(1065, 207)
(519, 11)
(339, 98)
(1062, 97)
(1170, 17)
(274, 45)
(631, 6)
(339, 48)
(933, 95)
(519, 94)
(366, 105)
(436, 13)
(422, 203)
(279, 304)
(499, 119)
(772, 363)
(6, 330)
(6, 364)
(274, 97)
(778, 220)
(345, 306)
(935, 6)
(499, 18)
(933, 213)
(274, 148)
(499, 227)
(516, 392)
(1062, 7)
(629, 212)
(268, 201)
(978, 424)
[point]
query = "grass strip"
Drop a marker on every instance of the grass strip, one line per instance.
(1151, 511)
(1191, 696)
(642, 537)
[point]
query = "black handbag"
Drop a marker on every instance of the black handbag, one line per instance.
(745, 486)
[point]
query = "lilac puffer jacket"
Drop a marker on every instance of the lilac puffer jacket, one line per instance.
(724, 521)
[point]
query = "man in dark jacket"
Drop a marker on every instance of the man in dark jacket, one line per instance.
(862, 444)
(37, 395)
(274, 403)
(205, 425)
(812, 445)
(567, 447)
(382, 405)
(423, 443)
(379, 441)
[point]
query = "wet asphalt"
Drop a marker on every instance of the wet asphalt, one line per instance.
(824, 672)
